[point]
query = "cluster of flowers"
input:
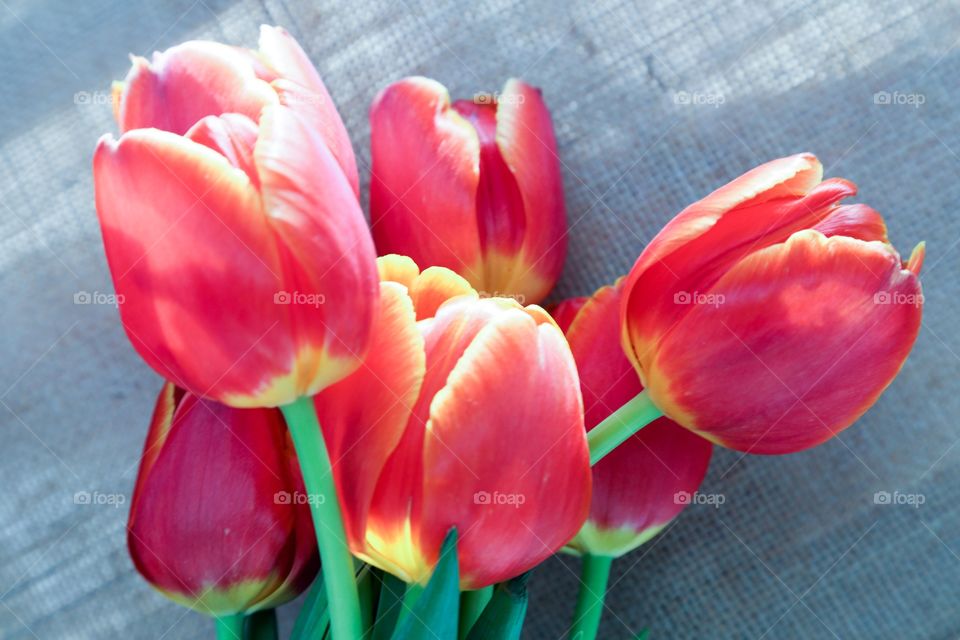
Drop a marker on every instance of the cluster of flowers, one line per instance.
(321, 397)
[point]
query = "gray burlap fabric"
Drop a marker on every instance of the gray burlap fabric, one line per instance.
(654, 106)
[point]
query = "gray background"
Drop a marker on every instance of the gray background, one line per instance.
(798, 550)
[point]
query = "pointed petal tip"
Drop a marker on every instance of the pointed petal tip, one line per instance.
(915, 263)
(847, 186)
(107, 145)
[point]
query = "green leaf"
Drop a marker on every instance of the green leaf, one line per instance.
(261, 625)
(643, 635)
(435, 613)
(313, 619)
(502, 619)
(472, 604)
(368, 588)
(388, 607)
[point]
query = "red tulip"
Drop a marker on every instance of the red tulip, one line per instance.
(644, 483)
(188, 82)
(474, 186)
(219, 520)
(767, 317)
(471, 417)
(231, 223)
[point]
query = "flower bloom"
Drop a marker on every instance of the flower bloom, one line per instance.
(466, 413)
(767, 317)
(219, 520)
(474, 186)
(231, 223)
(640, 486)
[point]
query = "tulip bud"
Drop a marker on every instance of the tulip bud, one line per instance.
(474, 186)
(418, 433)
(231, 223)
(640, 486)
(767, 317)
(219, 520)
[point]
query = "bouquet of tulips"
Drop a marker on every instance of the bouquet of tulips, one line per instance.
(408, 436)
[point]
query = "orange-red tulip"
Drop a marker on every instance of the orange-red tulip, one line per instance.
(474, 186)
(466, 413)
(219, 520)
(643, 484)
(231, 223)
(767, 317)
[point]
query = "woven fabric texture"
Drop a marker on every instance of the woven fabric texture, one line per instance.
(655, 104)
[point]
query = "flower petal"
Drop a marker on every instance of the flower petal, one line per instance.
(192, 255)
(326, 249)
(627, 507)
(187, 82)
(695, 249)
(854, 221)
(423, 185)
(501, 219)
(429, 289)
(566, 311)
(364, 415)
(214, 545)
(393, 525)
(528, 145)
(301, 88)
(396, 268)
(231, 135)
(812, 330)
(915, 263)
(511, 512)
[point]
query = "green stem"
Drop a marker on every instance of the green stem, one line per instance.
(620, 425)
(594, 574)
(262, 625)
(230, 627)
(336, 562)
(472, 604)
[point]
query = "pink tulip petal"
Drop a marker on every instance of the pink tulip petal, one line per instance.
(188, 82)
(301, 88)
(811, 330)
(628, 506)
(327, 253)
(191, 253)
(424, 178)
(539, 493)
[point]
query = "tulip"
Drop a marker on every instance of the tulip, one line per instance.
(219, 520)
(645, 482)
(466, 413)
(767, 317)
(473, 186)
(231, 224)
